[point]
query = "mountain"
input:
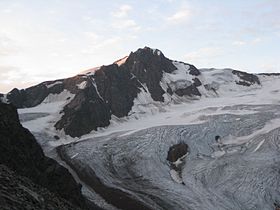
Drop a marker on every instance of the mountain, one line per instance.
(26, 171)
(148, 132)
(94, 98)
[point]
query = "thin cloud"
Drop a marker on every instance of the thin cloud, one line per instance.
(256, 40)
(239, 43)
(122, 11)
(7, 46)
(250, 42)
(5, 71)
(122, 20)
(126, 24)
(180, 16)
(204, 53)
(270, 68)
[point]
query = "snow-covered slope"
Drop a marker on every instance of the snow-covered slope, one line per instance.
(115, 126)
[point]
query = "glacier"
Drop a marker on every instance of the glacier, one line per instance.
(128, 159)
(245, 176)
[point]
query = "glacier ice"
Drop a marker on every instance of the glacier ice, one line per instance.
(244, 175)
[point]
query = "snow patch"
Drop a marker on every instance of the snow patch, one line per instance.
(52, 105)
(53, 84)
(180, 160)
(144, 104)
(259, 145)
(60, 97)
(157, 52)
(82, 85)
(95, 86)
(175, 176)
(178, 79)
(75, 155)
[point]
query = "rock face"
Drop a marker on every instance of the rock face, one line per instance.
(189, 91)
(17, 192)
(176, 157)
(177, 151)
(148, 66)
(194, 71)
(21, 153)
(112, 90)
(246, 79)
(87, 111)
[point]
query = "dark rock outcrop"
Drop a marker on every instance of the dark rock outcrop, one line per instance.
(176, 155)
(35, 95)
(177, 151)
(246, 78)
(197, 82)
(87, 111)
(17, 193)
(148, 66)
(193, 70)
(17, 97)
(188, 91)
(21, 153)
(269, 74)
(117, 87)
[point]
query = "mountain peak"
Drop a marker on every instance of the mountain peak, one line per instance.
(97, 94)
(149, 51)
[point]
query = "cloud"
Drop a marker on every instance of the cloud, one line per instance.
(256, 40)
(122, 20)
(12, 77)
(204, 53)
(99, 43)
(250, 42)
(5, 71)
(126, 24)
(180, 16)
(270, 67)
(122, 11)
(7, 46)
(239, 43)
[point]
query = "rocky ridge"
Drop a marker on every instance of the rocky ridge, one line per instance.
(19, 152)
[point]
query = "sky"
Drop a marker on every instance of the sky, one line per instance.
(44, 40)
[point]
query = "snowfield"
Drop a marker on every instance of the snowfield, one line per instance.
(130, 154)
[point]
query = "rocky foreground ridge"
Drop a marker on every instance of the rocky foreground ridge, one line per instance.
(29, 179)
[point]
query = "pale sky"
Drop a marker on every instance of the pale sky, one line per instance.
(50, 39)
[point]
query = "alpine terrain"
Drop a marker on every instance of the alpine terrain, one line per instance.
(147, 132)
